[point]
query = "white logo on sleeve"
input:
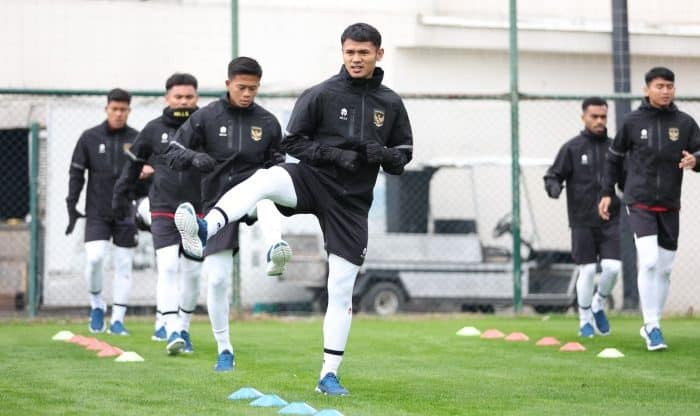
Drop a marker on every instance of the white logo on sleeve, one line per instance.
(643, 134)
(343, 114)
(102, 148)
(222, 131)
(164, 138)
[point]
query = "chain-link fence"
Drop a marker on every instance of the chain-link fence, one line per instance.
(439, 234)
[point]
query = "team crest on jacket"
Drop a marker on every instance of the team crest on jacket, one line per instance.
(378, 118)
(673, 133)
(256, 133)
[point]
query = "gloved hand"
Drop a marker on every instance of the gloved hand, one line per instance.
(203, 162)
(73, 215)
(121, 206)
(553, 188)
(374, 153)
(346, 159)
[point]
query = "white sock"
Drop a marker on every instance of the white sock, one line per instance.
(584, 291)
(215, 221)
(273, 183)
(185, 319)
(270, 221)
(190, 272)
(608, 277)
(336, 324)
(218, 269)
(94, 256)
(647, 259)
(167, 259)
(159, 320)
(121, 287)
(663, 278)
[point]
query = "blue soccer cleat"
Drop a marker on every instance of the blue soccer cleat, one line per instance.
(277, 257)
(160, 335)
(117, 328)
(188, 342)
(97, 321)
(192, 229)
(601, 322)
(653, 338)
(175, 344)
(225, 361)
(586, 330)
(330, 385)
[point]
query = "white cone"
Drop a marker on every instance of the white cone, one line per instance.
(610, 353)
(128, 356)
(469, 331)
(62, 336)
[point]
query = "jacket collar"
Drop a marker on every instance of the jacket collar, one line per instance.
(596, 137)
(110, 131)
(371, 83)
(646, 106)
(228, 106)
(175, 118)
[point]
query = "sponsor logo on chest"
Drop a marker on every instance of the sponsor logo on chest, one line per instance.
(164, 138)
(222, 131)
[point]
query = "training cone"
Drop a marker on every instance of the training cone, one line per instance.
(245, 393)
(548, 342)
(610, 353)
(62, 336)
(85, 341)
(129, 357)
(468, 331)
(297, 408)
(492, 334)
(269, 400)
(328, 412)
(110, 351)
(96, 345)
(517, 337)
(76, 339)
(572, 347)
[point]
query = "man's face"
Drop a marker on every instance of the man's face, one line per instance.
(181, 96)
(660, 92)
(242, 89)
(117, 114)
(360, 58)
(595, 118)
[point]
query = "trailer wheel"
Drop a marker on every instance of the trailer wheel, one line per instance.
(384, 298)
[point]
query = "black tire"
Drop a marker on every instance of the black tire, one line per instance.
(383, 298)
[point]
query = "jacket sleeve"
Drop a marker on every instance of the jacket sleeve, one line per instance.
(614, 166)
(138, 154)
(79, 163)
(188, 137)
(273, 154)
(305, 118)
(694, 144)
(562, 167)
(399, 149)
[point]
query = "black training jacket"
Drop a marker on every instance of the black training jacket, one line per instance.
(103, 153)
(652, 139)
(169, 187)
(347, 113)
(581, 164)
(242, 140)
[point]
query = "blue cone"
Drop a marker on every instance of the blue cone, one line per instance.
(245, 393)
(269, 400)
(297, 408)
(328, 412)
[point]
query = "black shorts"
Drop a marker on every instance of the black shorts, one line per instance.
(644, 223)
(165, 234)
(344, 231)
(590, 244)
(123, 233)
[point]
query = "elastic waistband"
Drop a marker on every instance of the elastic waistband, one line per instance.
(171, 215)
(653, 208)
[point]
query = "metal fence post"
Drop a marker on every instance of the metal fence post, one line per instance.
(34, 224)
(515, 156)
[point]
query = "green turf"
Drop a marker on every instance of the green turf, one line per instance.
(412, 365)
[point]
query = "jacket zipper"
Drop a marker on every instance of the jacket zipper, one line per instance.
(240, 133)
(115, 156)
(229, 136)
(362, 118)
(658, 148)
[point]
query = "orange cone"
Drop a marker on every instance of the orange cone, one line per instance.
(75, 339)
(548, 342)
(96, 346)
(110, 351)
(492, 334)
(572, 347)
(517, 337)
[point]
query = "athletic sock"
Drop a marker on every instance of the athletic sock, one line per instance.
(647, 258)
(331, 362)
(118, 313)
(584, 290)
(223, 340)
(185, 319)
(96, 301)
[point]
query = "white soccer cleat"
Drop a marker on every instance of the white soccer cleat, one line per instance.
(277, 258)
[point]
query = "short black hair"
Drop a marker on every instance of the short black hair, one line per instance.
(362, 32)
(659, 72)
(244, 65)
(118, 94)
(592, 101)
(180, 79)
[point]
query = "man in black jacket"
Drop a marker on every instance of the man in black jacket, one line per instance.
(102, 152)
(658, 141)
(228, 140)
(342, 131)
(580, 163)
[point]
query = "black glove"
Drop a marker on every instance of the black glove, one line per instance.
(553, 188)
(374, 153)
(73, 216)
(346, 159)
(203, 162)
(121, 206)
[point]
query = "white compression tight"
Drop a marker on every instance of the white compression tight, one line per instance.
(610, 269)
(653, 278)
(584, 291)
(94, 257)
(218, 269)
(274, 184)
(173, 295)
(336, 324)
(122, 257)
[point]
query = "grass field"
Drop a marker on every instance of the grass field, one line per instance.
(410, 365)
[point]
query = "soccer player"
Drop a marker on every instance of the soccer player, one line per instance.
(101, 151)
(342, 130)
(580, 163)
(228, 140)
(659, 141)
